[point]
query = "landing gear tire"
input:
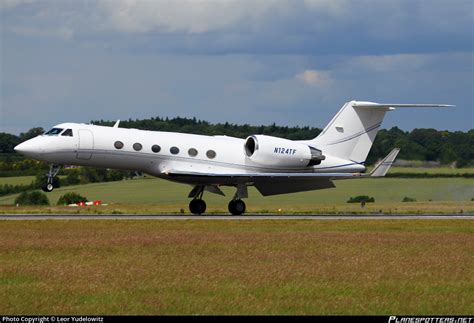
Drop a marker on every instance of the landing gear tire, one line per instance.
(237, 207)
(52, 181)
(197, 206)
(48, 187)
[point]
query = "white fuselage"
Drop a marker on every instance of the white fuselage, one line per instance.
(93, 146)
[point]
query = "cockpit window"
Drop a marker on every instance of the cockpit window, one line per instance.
(54, 132)
(68, 133)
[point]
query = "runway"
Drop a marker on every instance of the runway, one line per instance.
(223, 217)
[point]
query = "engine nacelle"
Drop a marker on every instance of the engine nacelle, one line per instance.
(279, 152)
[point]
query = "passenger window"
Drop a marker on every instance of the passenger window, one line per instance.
(192, 152)
(54, 132)
(211, 154)
(155, 148)
(174, 150)
(137, 146)
(67, 133)
(118, 144)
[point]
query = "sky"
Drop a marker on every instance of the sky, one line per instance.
(289, 62)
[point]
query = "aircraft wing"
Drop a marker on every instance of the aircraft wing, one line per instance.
(266, 183)
(260, 176)
(276, 183)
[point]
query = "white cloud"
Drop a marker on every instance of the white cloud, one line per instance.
(333, 7)
(9, 4)
(314, 78)
(192, 16)
(61, 32)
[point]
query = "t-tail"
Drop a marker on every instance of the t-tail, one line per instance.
(351, 133)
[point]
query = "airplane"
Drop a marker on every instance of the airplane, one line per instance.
(273, 165)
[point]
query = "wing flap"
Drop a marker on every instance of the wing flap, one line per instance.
(272, 188)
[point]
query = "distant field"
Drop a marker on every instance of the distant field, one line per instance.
(432, 170)
(152, 195)
(237, 267)
(20, 180)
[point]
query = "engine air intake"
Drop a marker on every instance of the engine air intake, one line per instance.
(250, 146)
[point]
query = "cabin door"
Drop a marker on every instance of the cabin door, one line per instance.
(86, 144)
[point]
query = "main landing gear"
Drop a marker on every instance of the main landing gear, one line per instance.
(52, 182)
(197, 205)
(236, 206)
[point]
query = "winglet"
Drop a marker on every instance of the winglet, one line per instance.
(382, 168)
(116, 125)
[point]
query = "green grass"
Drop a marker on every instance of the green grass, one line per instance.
(155, 191)
(237, 267)
(156, 195)
(431, 170)
(19, 180)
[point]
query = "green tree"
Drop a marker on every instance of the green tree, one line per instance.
(72, 177)
(8, 142)
(116, 175)
(32, 198)
(71, 198)
(33, 132)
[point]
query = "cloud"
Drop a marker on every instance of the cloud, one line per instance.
(10, 4)
(189, 16)
(275, 60)
(62, 33)
(314, 78)
(303, 27)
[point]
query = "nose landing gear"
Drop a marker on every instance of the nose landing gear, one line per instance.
(52, 182)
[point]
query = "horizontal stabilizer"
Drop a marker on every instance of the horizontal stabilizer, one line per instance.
(388, 106)
(382, 168)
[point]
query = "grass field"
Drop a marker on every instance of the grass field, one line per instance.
(152, 195)
(18, 180)
(432, 170)
(237, 267)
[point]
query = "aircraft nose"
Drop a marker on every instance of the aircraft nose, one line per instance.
(27, 148)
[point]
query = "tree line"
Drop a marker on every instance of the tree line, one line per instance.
(444, 146)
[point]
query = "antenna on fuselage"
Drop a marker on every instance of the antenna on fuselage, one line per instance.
(116, 125)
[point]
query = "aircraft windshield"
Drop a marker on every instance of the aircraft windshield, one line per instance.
(54, 132)
(67, 133)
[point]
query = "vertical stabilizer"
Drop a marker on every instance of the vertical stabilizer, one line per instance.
(351, 133)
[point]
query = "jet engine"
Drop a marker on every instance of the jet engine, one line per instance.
(279, 152)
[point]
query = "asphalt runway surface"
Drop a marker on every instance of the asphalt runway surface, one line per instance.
(224, 217)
